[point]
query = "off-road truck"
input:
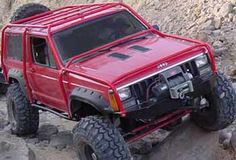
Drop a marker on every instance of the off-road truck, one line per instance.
(104, 66)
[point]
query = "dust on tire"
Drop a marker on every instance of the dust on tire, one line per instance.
(102, 137)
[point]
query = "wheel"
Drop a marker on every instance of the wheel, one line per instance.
(95, 138)
(3, 88)
(28, 10)
(221, 110)
(23, 118)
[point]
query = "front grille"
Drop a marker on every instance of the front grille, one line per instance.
(139, 90)
(190, 67)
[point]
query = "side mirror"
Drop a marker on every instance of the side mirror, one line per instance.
(156, 27)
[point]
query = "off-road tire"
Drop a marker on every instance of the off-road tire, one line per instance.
(28, 10)
(104, 139)
(3, 88)
(222, 106)
(23, 118)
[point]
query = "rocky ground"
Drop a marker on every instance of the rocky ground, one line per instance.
(54, 141)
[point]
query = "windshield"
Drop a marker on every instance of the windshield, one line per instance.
(95, 33)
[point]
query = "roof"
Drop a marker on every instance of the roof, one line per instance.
(55, 20)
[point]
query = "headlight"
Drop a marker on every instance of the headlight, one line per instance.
(124, 93)
(201, 61)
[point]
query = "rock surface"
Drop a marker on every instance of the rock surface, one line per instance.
(190, 143)
(62, 140)
(233, 140)
(187, 142)
(46, 131)
(224, 136)
(13, 148)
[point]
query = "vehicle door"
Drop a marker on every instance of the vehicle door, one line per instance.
(44, 75)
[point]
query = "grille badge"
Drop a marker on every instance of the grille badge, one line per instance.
(162, 65)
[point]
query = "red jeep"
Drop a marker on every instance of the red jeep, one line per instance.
(107, 68)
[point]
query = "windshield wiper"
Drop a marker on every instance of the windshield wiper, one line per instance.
(121, 43)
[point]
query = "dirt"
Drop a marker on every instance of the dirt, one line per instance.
(33, 147)
(187, 142)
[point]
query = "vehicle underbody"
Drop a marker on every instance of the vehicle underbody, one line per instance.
(161, 108)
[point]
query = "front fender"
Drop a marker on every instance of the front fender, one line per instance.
(92, 98)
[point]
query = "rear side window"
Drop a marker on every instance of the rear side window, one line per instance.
(14, 47)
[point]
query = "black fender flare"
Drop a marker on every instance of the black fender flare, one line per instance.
(17, 75)
(93, 98)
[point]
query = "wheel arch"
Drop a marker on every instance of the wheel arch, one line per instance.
(85, 102)
(16, 76)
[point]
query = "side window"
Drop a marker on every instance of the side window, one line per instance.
(42, 53)
(14, 47)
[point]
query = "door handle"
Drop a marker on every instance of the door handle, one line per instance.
(32, 70)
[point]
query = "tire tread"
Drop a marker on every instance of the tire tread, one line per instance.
(103, 136)
(225, 100)
(27, 117)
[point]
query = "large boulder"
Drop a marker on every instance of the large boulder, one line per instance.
(225, 9)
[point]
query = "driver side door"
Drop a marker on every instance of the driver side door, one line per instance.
(44, 75)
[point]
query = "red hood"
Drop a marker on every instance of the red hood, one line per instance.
(109, 68)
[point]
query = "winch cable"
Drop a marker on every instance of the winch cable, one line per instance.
(149, 87)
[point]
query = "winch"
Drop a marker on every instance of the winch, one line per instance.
(174, 83)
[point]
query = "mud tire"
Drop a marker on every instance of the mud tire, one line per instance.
(28, 10)
(3, 89)
(98, 134)
(222, 106)
(23, 118)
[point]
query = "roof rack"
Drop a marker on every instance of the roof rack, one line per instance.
(75, 14)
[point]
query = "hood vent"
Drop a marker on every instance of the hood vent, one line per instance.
(140, 48)
(119, 56)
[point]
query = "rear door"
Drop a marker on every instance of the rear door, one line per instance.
(44, 75)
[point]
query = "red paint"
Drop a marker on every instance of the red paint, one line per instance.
(157, 124)
(28, 88)
(99, 73)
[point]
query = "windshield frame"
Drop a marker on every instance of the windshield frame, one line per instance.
(92, 20)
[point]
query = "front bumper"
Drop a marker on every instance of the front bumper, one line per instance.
(202, 86)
